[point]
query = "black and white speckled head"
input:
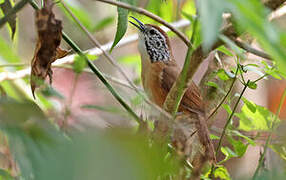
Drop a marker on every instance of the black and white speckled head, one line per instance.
(153, 41)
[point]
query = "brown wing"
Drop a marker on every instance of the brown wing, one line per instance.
(192, 100)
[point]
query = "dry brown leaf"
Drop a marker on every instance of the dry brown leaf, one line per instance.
(47, 49)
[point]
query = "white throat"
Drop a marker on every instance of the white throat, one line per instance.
(145, 58)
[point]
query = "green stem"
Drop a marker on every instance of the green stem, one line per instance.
(226, 125)
(96, 71)
(261, 159)
(181, 82)
(13, 11)
(228, 92)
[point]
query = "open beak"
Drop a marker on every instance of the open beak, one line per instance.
(141, 26)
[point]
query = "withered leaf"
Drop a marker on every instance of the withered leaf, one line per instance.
(6, 6)
(47, 49)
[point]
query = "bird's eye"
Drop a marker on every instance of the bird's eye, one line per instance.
(152, 32)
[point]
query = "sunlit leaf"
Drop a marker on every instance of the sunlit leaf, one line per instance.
(222, 75)
(252, 85)
(221, 173)
(227, 108)
(6, 6)
(238, 146)
(254, 117)
(7, 52)
(224, 50)
(79, 64)
(212, 84)
(214, 137)
(228, 154)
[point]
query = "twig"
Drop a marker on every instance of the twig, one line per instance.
(224, 98)
(252, 50)
(261, 159)
(229, 118)
(151, 15)
(226, 125)
(110, 78)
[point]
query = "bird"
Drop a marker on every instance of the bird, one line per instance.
(159, 71)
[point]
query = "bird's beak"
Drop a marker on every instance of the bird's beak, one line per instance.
(141, 26)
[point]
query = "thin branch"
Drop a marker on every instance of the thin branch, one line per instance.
(230, 117)
(224, 98)
(226, 125)
(252, 50)
(13, 11)
(261, 159)
(108, 77)
(151, 15)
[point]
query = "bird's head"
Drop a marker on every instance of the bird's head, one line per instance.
(153, 42)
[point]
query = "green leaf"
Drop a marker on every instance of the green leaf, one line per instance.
(253, 68)
(249, 140)
(214, 137)
(252, 85)
(224, 50)
(5, 175)
(222, 75)
(7, 52)
(79, 64)
(254, 117)
(233, 46)
(49, 91)
(211, 18)
(228, 154)
(221, 173)
(239, 147)
(6, 6)
(227, 108)
(29, 133)
(252, 16)
(121, 23)
(212, 84)
(250, 105)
